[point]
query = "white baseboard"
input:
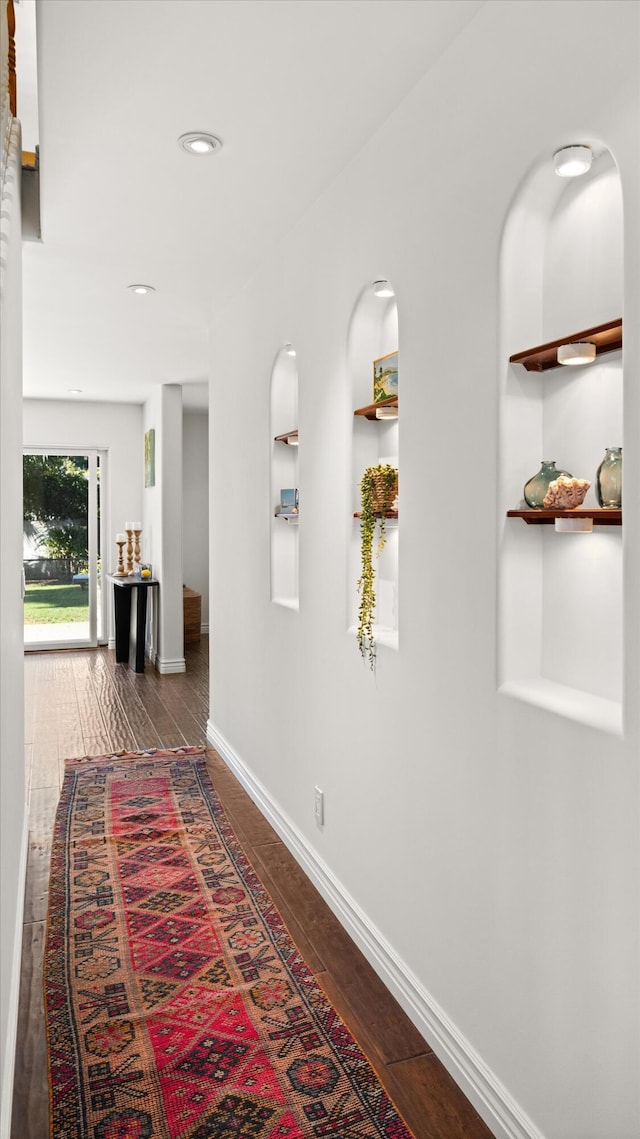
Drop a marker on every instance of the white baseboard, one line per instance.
(14, 993)
(485, 1091)
(169, 666)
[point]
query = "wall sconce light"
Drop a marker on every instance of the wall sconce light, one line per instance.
(382, 289)
(386, 412)
(289, 349)
(582, 352)
(570, 161)
(574, 525)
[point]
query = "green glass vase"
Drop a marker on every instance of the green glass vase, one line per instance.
(609, 479)
(537, 487)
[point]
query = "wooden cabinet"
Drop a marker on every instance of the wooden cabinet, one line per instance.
(192, 615)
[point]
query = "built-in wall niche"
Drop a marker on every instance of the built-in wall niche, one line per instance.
(284, 493)
(373, 336)
(561, 594)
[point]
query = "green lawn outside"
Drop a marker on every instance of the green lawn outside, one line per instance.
(55, 604)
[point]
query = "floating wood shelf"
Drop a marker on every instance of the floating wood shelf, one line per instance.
(601, 517)
(378, 514)
(369, 412)
(289, 517)
(606, 337)
(287, 437)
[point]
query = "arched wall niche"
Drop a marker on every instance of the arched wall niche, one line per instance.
(560, 595)
(373, 334)
(284, 477)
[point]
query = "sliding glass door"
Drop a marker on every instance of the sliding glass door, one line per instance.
(63, 520)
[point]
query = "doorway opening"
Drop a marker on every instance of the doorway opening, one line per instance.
(63, 539)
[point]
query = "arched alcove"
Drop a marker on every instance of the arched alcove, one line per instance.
(561, 595)
(373, 336)
(284, 479)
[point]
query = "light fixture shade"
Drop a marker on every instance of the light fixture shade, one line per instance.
(583, 352)
(571, 161)
(574, 525)
(382, 289)
(200, 142)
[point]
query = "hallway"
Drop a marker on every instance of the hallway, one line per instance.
(82, 703)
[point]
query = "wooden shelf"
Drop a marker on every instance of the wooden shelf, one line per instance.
(606, 337)
(600, 516)
(369, 412)
(289, 437)
(378, 514)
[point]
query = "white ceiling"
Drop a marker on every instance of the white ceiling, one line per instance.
(293, 87)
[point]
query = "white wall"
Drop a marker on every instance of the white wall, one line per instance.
(13, 825)
(115, 427)
(195, 498)
(484, 850)
(162, 525)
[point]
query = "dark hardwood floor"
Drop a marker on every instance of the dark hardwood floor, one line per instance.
(83, 703)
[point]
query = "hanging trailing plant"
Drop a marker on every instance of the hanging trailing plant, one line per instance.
(378, 489)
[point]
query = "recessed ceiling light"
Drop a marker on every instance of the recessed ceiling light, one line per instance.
(200, 142)
(382, 289)
(571, 161)
(141, 290)
(74, 391)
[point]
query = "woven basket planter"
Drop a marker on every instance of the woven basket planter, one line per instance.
(378, 493)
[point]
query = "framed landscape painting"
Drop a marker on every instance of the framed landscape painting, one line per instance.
(150, 457)
(385, 377)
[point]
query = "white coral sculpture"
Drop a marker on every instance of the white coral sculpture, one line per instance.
(565, 494)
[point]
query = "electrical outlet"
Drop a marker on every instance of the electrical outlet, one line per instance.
(319, 806)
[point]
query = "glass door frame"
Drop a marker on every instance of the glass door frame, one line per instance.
(95, 525)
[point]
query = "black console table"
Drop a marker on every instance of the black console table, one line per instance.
(130, 643)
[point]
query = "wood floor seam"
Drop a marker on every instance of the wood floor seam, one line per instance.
(412, 1056)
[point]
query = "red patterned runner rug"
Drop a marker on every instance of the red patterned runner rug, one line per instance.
(177, 1005)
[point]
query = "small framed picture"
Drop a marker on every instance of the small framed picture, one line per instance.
(385, 377)
(288, 500)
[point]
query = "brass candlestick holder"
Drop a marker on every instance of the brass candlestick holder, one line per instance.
(120, 572)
